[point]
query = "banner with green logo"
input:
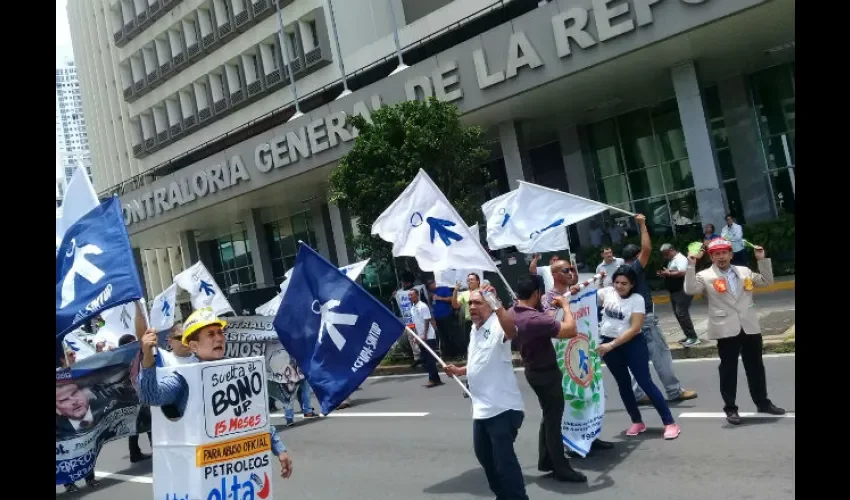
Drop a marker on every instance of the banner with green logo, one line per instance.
(581, 367)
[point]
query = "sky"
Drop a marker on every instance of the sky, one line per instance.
(63, 33)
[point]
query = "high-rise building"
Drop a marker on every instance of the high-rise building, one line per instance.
(682, 110)
(72, 141)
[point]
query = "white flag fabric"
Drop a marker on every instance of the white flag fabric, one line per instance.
(119, 321)
(421, 223)
(270, 308)
(534, 218)
(203, 289)
(80, 347)
(162, 309)
(79, 200)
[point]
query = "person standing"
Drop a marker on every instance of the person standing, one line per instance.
(734, 322)
(544, 272)
(425, 327)
(441, 297)
(460, 300)
(659, 351)
(497, 408)
(535, 331)
(674, 280)
(609, 264)
(734, 233)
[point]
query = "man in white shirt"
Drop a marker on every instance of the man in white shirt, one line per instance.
(674, 282)
(426, 329)
(734, 233)
(544, 272)
(497, 409)
(609, 264)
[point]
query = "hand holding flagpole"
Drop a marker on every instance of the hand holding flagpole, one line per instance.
(434, 354)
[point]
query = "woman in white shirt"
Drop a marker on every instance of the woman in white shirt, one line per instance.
(623, 348)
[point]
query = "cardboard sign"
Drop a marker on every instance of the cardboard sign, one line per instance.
(220, 448)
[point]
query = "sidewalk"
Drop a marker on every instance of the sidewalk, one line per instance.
(777, 316)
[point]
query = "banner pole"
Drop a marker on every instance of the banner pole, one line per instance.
(142, 310)
(584, 284)
(442, 363)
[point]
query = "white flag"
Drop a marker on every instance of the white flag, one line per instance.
(203, 289)
(78, 346)
(80, 199)
(421, 223)
(162, 309)
(534, 218)
(353, 271)
(119, 321)
(270, 308)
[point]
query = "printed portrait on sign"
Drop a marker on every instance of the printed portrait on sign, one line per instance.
(84, 403)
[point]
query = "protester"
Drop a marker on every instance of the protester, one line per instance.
(204, 334)
(497, 408)
(659, 351)
(180, 354)
(460, 300)
(304, 393)
(674, 279)
(608, 265)
(425, 328)
(734, 322)
(565, 276)
(535, 331)
(407, 284)
(624, 349)
(143, 420)
(544, 272)
(441, 298)
(710, 234)
(734, 233)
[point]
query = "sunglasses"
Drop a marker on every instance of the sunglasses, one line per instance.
(568, 270)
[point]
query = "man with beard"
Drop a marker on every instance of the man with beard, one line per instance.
(203, 333)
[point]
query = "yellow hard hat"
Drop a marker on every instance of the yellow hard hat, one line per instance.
(199, 319)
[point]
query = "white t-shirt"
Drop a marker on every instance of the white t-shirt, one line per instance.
(678, 263)
(490, 371)
(609, 270)
(548, 279)
(420, 313)
(617, 311)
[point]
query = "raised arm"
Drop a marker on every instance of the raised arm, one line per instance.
(455, 303)
(765, 275)
(153, 391)
(645, 241)
(532, 268)
(694, 283)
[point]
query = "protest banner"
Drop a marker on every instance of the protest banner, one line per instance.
(95, 403)
(220, 448)
(581, 367)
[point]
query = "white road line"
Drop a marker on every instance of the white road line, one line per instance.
(124, 477)
(361, 414)
(686, 360)
(718, 414)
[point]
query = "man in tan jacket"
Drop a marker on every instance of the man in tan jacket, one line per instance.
(733, 322)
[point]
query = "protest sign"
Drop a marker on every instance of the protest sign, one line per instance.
(402, 299)
(581, 367)
(220, 447)
(95, 403)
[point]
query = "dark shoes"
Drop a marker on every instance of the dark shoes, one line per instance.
(431, 383)
(92, 483)
(732, 417)
(772, 409)
(139, 457)
(311, 415)
(570, 476)
(72, 488)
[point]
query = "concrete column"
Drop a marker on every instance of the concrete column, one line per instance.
(704, 169)
(140, 267)
(576, 170)
(742, 128)
(188, 248)
(517, 166)
(155, 282)
(259, 249)
(338, 235)
(321, 225)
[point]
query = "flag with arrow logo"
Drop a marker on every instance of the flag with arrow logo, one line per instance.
(203, 289)
(421, 223)
(335, 330)
(162, 309)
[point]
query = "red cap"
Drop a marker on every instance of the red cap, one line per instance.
(718, 245)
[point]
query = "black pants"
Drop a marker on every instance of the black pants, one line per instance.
(447, 335)
(750, 349)
(550, 448)
(429, 361)
(681, 308)
(143, 421)
(493, 439)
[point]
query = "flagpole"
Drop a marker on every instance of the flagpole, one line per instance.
(345, 89)
(579, 197)
(140, 308)
(442, 363)
(285, 56)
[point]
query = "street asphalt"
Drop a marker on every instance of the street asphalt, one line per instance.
(373, 455)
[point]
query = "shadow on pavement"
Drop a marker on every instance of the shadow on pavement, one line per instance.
(471, 482)
(754, 420)
(85, 490)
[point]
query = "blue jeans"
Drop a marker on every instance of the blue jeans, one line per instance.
(430, 361)
(304, 394)
(634, 356)
(493, 441)
(662, 359)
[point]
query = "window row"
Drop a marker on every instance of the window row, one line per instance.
(132, 17)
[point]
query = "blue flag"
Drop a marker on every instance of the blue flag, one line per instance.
(95, 269)
(335, 330)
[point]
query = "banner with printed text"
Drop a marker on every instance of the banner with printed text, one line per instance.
(581, 367)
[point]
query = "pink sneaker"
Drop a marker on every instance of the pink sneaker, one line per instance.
(672, 431)
(635, 429)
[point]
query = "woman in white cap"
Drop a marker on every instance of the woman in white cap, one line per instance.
(203, 333)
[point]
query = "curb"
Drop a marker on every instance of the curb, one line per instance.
(775, 287)
(785, 343)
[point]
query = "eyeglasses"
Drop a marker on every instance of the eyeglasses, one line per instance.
(568, 270)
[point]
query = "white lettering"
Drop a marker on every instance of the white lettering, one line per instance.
(445, 77)
(604, 15)
(238, 172)
(576, 31)
(188, 194)
(520, 53)
(216, 183)
(643, 12)
(175, 197)
(423, 83)
(280, 152)
(297, 140)
(335, 124)
(263, 158)
(160, 202)
(200, 184)
(485, 79)
(318, 135)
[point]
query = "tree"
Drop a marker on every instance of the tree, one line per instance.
(389, 152)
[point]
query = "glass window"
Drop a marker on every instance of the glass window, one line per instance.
(684, 213)
(647, 183)
(614, 190)
(637, 139)
(283, 245)
(677, 175)
(668, 128)
(733, 199)
(605, 148)
(237, 272)
(657, 215)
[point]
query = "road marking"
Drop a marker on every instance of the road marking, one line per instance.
(719, 414)
(124, 477)
(361, 414)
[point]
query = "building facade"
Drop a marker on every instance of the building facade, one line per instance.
(72, 142)
(679, 109)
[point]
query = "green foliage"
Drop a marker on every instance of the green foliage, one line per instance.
(776, 236)
(389, 152)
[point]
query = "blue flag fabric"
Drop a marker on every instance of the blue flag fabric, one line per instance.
(95, 269)
(335, 330)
